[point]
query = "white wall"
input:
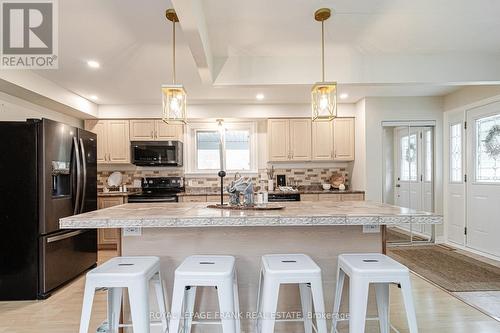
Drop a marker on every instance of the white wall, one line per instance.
(379, 109)
(466, 97)
(16, 109)
(358, 172)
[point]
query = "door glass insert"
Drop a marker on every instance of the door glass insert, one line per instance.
(428, 155)
(409, 158)
(456, 153)
(488, 149)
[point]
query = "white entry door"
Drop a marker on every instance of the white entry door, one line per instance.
(456, 186)
(483, 185)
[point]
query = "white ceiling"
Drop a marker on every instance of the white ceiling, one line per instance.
(374, 48)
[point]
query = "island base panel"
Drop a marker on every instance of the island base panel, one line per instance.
(248, 244)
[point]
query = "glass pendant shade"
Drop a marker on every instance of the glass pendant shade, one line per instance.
(174, 103)
(324, 101)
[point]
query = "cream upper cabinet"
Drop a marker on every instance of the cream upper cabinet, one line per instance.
(99, 128)
(154, 130)
(142, 129)
(300, 139)
(343, 139)
(278, 131)
(118, 141)
(113, 140)
(322, 141)
(289, 139)
(169, 132)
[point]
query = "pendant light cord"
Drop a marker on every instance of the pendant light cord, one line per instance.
(323, 51)
(173, 53)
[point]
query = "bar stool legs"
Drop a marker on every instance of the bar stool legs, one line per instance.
(306, 302)
(205, 271)
(382, 294)
(114, 306)
(381, 271)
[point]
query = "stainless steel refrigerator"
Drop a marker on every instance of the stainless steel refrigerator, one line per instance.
(48, 170)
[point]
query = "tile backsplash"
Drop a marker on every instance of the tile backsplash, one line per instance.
(302, 177)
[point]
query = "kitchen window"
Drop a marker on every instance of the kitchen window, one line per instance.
(203, 151)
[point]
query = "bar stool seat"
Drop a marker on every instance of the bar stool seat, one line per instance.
(134, 273)
(205, 271)
(381, 270)
(277, 269)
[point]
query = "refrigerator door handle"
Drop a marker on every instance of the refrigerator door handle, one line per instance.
(78, 176)
(65, 236)
(84, 165)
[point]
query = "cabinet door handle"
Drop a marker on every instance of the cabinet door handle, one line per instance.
(152, 136)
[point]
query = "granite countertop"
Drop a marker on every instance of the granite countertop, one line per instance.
(294, 214)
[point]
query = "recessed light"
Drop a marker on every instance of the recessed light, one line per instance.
(93, 64)
(93, 97)
(344, 96)
(259, 96)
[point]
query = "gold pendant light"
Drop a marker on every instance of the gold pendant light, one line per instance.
(173, 95)
(323, 94)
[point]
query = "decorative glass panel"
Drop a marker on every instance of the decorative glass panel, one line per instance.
(488, 149)
(456, 153)
(409, 158)
(237, 152)
(428, 155)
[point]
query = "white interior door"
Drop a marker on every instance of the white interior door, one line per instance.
(483, 185)
(456, 201)
(408, 191)
(407, 194)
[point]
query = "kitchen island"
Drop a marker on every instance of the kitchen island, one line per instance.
(322, 230)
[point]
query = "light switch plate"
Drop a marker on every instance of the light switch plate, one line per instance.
(371, 229)
(132, 231)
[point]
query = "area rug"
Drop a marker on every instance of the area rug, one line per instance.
(448, 269)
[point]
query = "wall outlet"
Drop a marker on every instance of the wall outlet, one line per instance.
(371, 229)
(132, 231)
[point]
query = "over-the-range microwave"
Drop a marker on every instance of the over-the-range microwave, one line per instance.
(156, 153)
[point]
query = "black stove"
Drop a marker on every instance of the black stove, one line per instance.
(158, 189)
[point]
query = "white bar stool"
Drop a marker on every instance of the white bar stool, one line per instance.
(362, 270)
(206, 271)
(298, 269)
(134, 273)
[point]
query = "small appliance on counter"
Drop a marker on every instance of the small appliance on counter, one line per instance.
(158, 189)
(281, 180)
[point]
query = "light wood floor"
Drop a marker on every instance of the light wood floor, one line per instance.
(437, 311)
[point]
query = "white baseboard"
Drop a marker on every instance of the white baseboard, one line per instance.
(440, 240)
(468, 249)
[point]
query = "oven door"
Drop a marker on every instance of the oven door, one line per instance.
(161, 153)
(136, 199)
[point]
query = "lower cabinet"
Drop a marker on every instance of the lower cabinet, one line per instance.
(333, 197)
(109, 239)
